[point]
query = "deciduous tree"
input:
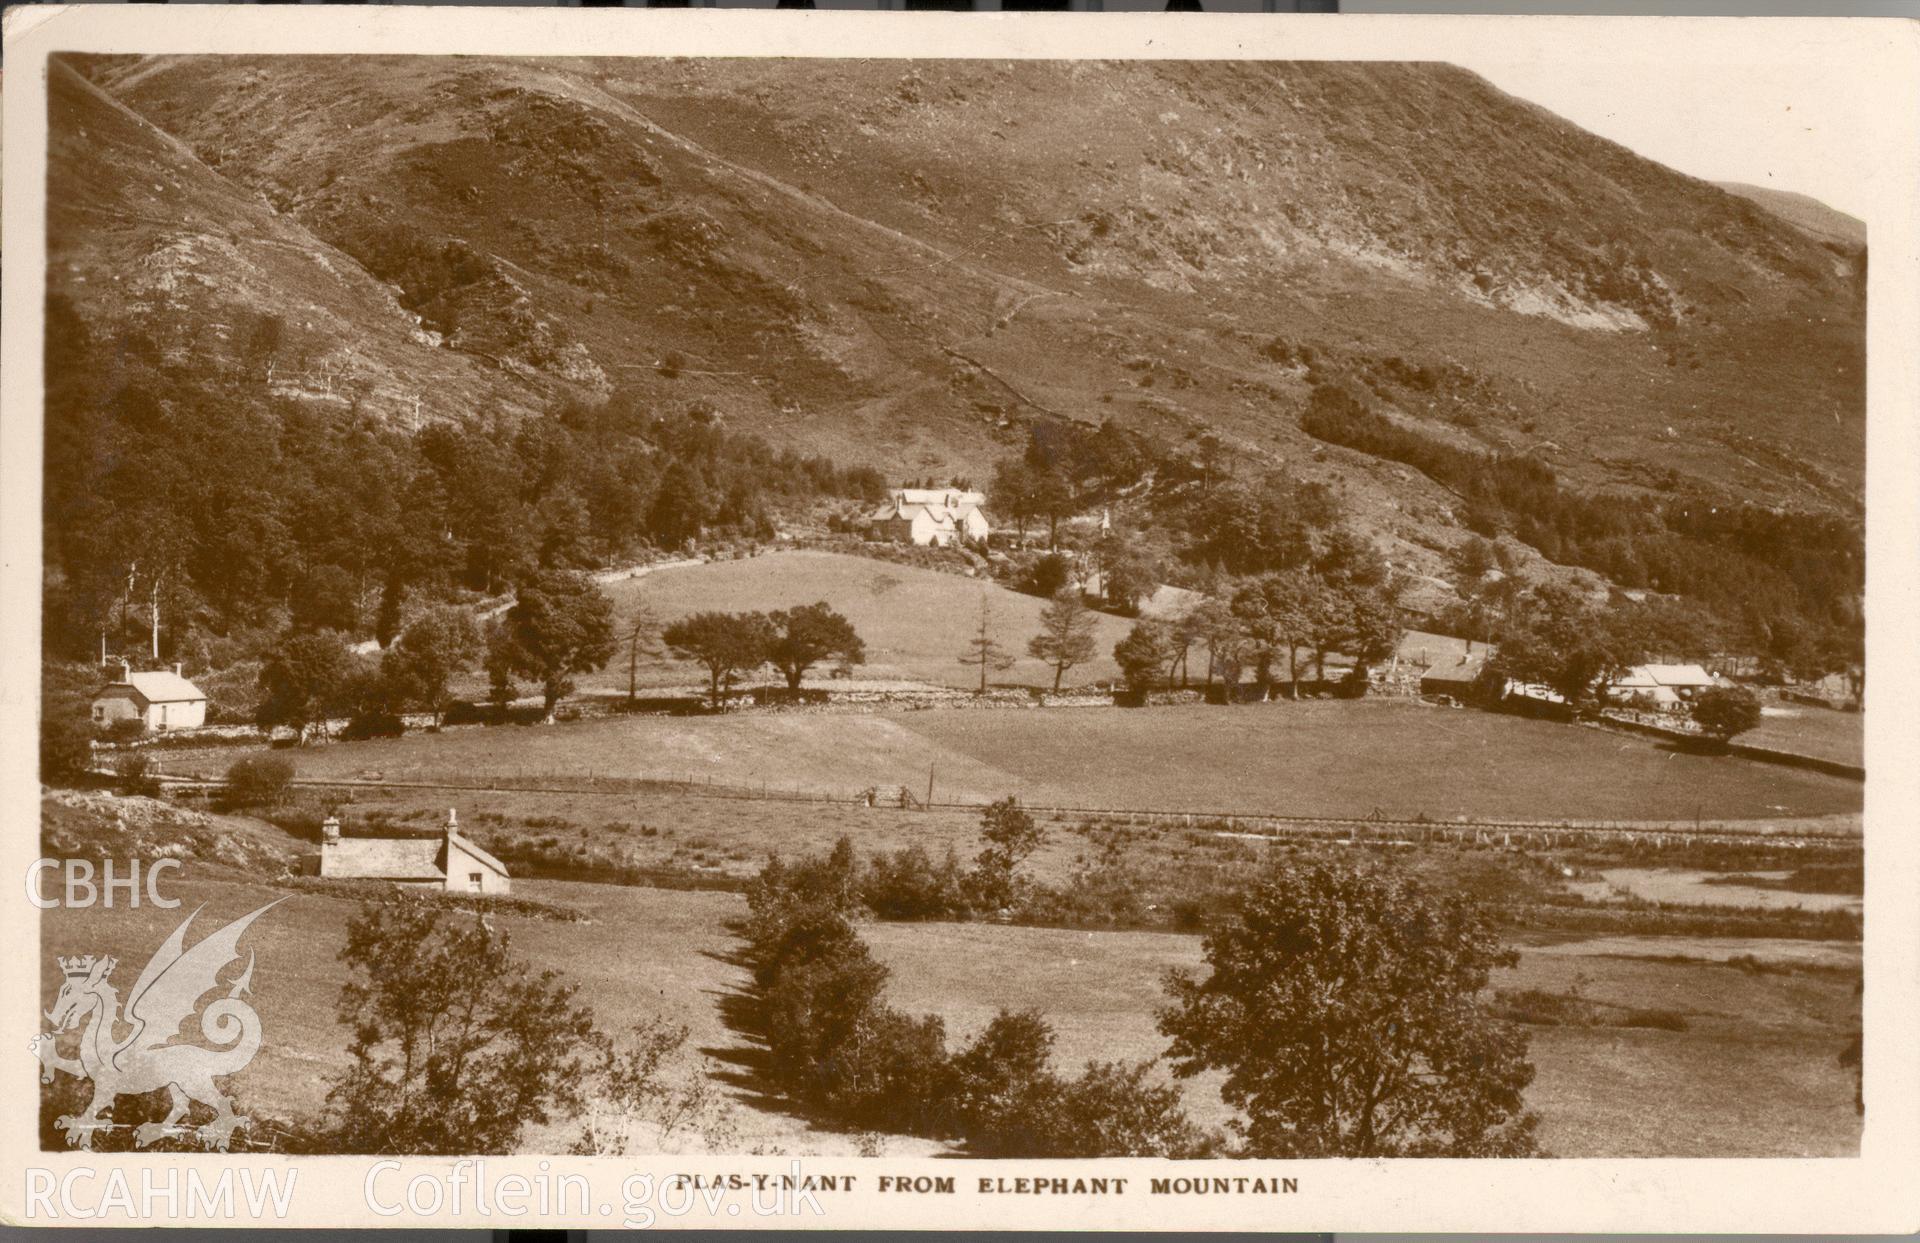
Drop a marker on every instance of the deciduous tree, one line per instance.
(304, 680)
(806, 635)
(727, 644)
(561, 624)
(422, 662)
(1724, 711)
(1344, 1007)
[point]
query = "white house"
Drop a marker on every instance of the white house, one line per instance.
(445, 860)
(159, 698)
(939, 516)
(1664, 686)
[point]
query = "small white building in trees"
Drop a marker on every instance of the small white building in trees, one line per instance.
(930, 516)
(1663, 686)
(160, 699)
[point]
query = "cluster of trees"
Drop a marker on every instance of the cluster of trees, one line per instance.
(560, 625)
(1065, 640)
(1343, 1007)
(1064, 468)
(1785, 584)
(729, 645)
(838, 1048)
(1264, 623)
(237, 512)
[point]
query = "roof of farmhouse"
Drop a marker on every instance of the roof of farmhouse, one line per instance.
(954, 497)
(907, 509)
(159, 686)
(1649, 676)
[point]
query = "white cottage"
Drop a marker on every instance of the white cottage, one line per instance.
(445, 860)
(160, 699)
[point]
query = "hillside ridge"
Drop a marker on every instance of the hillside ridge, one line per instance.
(910, 263)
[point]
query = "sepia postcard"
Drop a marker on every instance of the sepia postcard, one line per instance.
(668, 619)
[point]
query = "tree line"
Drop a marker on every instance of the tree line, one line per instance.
(1771, 581)
(240, 513)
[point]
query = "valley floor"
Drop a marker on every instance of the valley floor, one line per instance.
(1314, 757)
(1755, 1072)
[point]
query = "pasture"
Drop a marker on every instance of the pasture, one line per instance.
(915, 622)
(1753, 1074)
(1322, 757)
(1804, 729)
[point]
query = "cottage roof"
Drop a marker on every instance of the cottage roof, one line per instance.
(387, 858)
(467, 845)
(953, 498)
(159, 686)
(904, 510)
(408, 857)
(1678, 675)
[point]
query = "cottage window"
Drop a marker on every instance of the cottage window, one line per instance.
(474, 881)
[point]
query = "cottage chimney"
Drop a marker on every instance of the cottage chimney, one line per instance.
(330, 830)
(453, 822)
(123, 672)
(176, 668)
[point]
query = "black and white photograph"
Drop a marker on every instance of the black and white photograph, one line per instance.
(892, 616)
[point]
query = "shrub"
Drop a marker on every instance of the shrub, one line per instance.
(373, 724)
(127, 729)
(135, 773)
(1011, 1105)
(1661, 1020)
(1111, 1110)
(1726, 711)
(910, 885)
(458, 1044)
(259, 781)
(1046, 576)
(66, 747)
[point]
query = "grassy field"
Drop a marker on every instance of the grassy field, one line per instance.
(1308, 758)
(1807, 730)
(915, 622)
(1753, 1074)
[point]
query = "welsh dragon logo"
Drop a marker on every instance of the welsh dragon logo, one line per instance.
(134, 1053)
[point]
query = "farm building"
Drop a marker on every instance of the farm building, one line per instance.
(930, 516)
(160, 699)
(1454, 679)
(1667, 687)
(445, 860)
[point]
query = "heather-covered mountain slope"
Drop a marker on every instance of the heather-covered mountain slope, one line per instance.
(145, 240)
(907, 264)
(909, 261)
(1809, 214)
